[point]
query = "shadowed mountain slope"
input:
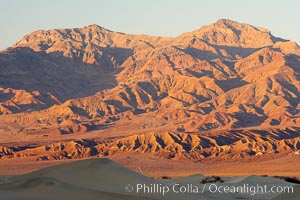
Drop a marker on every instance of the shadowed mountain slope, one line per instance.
(226, 75)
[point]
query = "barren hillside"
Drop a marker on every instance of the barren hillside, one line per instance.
(224, 76)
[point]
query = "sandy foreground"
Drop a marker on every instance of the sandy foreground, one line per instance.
(102, 178)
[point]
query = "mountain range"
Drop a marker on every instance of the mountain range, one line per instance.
(227, 78)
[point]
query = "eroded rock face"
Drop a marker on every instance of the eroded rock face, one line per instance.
(223, 76)
(225, 145)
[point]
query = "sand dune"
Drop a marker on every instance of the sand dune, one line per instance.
(85, 179)
(88, 179)
(97, 174)
(48, 188)
(105, 179)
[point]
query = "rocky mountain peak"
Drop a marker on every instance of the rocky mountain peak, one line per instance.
(224, 75)
(227, 32)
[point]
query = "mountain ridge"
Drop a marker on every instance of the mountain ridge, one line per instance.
(222, 76)
(179, 146)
